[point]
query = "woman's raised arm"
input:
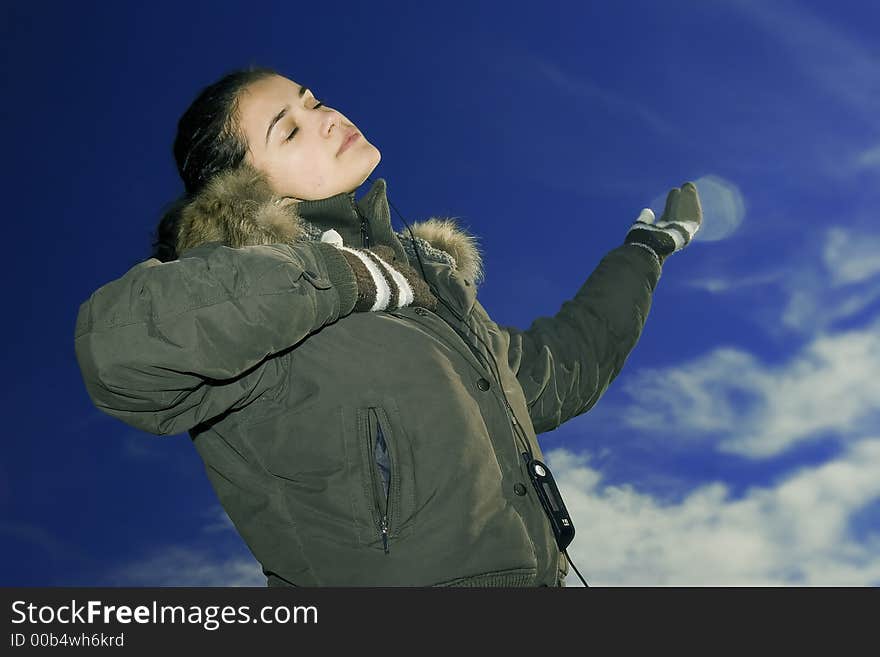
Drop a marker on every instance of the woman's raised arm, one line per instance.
(171, 345)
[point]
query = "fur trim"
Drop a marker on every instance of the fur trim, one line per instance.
(445, 234)
(238, 208)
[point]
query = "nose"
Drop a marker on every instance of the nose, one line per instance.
(330, 119)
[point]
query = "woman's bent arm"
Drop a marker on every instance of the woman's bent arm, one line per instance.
(171, 345)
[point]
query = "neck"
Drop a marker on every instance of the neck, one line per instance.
(341, 213)
(361, 223)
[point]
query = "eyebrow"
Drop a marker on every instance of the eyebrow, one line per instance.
(275, 119)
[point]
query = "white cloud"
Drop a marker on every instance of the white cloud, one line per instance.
(830, 388)
(794, 532)
(847, 284)
(832, 275)
(218, 521)
(850, 256)
(813, 309)
(192, 565)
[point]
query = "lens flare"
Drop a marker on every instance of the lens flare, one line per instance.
(723, 207)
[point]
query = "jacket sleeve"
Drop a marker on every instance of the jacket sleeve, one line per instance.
(171, 345)
(566, 362)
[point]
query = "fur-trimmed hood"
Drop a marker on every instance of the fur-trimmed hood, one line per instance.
(238, 208)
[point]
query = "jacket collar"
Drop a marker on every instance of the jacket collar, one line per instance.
(354, 220)
(238, 208)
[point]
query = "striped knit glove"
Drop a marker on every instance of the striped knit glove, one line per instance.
(383, 281)
(681, 220)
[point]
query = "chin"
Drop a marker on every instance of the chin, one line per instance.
(368, 169)
(375, 161)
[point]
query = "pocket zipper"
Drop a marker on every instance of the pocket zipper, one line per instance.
(383, 513)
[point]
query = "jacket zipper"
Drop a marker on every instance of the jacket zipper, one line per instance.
(383, 513)
(512, 416)
(365, 237)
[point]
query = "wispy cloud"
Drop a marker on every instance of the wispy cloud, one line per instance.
(207, 560)
(838, 63)
(850, 256)
(842, 68)
(575, 96)
(813, 308)
(177, 565)
(722, 284)
(587, 91)
(830, 388)
(798, 531)
(527, 64)
(830, 275)
(218, 521)
(39, 537)
(843, 282)
(867, 159)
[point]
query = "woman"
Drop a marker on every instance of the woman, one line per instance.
(362, 419)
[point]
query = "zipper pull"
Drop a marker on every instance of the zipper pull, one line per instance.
(512, 416)
(365, 238)
(385, 533)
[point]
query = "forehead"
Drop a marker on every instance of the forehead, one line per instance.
(262, 100)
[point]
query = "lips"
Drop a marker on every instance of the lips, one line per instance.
(349, 140)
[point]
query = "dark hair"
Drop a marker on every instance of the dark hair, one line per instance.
(209, 141)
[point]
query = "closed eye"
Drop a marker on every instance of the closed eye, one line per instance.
(290, 136)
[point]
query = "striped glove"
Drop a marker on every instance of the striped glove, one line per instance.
(681, 219)
(384, 282)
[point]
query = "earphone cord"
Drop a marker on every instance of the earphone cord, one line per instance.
(521, 438)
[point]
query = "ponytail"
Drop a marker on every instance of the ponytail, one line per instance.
(208, 142)
(165, 242)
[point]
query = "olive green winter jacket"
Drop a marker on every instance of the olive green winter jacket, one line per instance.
(358, 449)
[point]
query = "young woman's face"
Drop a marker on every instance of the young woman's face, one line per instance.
(299, 151)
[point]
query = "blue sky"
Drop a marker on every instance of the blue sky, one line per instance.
(740, 444)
